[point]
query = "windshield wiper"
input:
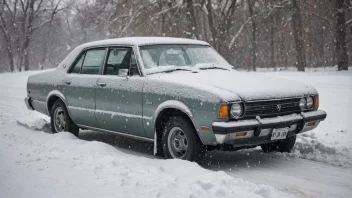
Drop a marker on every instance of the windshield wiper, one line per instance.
(205, 66)
(213, 67)
(167, 69)
(178, 69)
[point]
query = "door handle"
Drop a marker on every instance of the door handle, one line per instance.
(67, 82)
(101, 84)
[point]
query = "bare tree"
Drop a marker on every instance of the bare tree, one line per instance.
(6, 31)
(251, 4)
(341, 49)
(297, 27)
(248, 33)
(211, 23)
(273, 6)
(25, 17)
(191, 19)
(219, 21)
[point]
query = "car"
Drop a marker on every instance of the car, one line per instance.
(179, 94)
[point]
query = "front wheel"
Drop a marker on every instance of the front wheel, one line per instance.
(285, 145)
(180, 141)
(60, 120)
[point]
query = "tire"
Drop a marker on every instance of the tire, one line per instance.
(176, 127)
(285, 145)
(60, 120)
(269, 147)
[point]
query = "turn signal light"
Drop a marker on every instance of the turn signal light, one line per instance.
(224, 111)
(240, 134)
(316, 102)
(310, 123)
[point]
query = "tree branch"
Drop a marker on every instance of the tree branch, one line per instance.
(348, 23)
(234, 38)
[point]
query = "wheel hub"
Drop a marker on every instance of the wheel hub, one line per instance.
(177, 143)
(59, 120)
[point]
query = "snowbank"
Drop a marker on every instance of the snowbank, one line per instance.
(330, 142)
(60, 165)
(308, 146)
(294, 69)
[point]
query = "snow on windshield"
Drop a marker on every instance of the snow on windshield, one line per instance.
(180, 56)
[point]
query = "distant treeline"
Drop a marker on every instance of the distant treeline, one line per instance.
(37, 34)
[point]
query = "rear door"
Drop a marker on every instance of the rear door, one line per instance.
(81, 84)
(119, 98)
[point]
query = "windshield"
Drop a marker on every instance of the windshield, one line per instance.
(181, 57)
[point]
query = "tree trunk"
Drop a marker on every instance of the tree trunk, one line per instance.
(25, 54)
(8, 39)
(212, 27)
(191, 19)
(272, 46)
(10, 56)
(45, 49)
(162, 25)
(9, 52)
(254, 35)
(297, 27)
(341, 49)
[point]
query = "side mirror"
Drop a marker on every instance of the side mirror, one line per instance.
(123, 73)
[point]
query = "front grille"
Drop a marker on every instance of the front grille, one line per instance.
(271, 108)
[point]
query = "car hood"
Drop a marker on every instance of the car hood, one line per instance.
(247, 86)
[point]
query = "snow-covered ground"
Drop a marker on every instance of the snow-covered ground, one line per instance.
(34, 163)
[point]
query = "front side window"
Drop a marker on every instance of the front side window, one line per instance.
(120, 60)
(181, 56)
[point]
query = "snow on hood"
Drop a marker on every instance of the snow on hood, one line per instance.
(248, 86)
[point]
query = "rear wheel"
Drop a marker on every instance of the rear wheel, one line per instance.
(285, 145)
(180, 141)
(60, 120)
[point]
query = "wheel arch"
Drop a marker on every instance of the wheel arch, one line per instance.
(163, 113)
(54, 96)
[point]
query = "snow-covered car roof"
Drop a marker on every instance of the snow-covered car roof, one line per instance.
(128, 41)
(138, 41)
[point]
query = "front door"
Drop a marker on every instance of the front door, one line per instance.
(81, 84)
(120, 93)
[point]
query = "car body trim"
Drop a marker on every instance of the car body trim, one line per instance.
(61, 96)
(275, 99)
(55, 93)
(28, 102)
(274, 122)
(119, 133)
(112, 113)
(175, 105)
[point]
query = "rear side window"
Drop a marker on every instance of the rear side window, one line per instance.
(77, 68)
(89, 62)
(93, 61)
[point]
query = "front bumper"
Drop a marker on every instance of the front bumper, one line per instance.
(28, 102)
(258, 131)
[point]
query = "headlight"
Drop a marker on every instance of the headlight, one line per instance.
(303, 103)
(310, 102)
(236, 110)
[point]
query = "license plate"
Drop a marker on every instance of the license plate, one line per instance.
(279, 134)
